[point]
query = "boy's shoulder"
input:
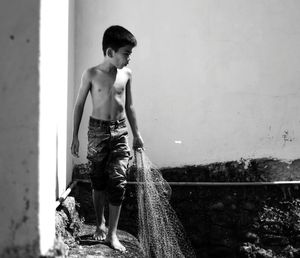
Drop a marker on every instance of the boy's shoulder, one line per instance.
(126, 71)
(88, 73)
(91, 71)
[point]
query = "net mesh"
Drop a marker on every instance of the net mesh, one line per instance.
(160, 234)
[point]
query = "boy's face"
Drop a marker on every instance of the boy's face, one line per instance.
(121, 57)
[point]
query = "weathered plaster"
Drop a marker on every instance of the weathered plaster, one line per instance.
(29, 250)
(19, 105)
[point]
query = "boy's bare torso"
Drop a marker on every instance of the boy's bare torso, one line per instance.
(108, 92)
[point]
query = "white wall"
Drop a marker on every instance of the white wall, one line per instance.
(213, 80)
(19, 123)
(70, 98)
(53, 125)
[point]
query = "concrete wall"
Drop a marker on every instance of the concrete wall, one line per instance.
(19, 123)
(213, 80)
(33, 122)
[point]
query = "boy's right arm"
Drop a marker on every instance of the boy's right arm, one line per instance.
(78, 110)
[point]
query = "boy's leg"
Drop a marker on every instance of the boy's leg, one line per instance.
(99, 180)
(99, 204)
(97, 154)
(116, 193)
(116, 168)
(112, 239)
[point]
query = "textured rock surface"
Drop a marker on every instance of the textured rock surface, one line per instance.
(74, 237)
(87, 247)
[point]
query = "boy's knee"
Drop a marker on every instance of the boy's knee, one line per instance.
(98, 176)
(117, 181)
(116, 192)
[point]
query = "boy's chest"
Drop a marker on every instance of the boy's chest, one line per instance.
(110, 85)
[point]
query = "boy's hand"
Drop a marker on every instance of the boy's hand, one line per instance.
(75, 147)
(138, 142)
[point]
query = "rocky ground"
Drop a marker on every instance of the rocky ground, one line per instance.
(74, 237)
(86, 246)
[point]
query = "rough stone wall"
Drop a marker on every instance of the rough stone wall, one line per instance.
(224, 221)
(220, 220)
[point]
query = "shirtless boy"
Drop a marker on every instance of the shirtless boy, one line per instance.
(109, 84)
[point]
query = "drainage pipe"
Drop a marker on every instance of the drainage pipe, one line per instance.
(226, 183)
(65, 194)
(213, 183)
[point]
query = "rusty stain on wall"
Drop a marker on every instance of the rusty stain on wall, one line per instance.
(287, 137)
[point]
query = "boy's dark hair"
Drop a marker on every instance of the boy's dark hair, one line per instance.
(116, 37)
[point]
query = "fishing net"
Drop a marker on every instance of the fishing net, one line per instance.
(161, 234)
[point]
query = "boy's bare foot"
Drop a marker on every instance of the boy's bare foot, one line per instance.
(114, 243)
(100, 233)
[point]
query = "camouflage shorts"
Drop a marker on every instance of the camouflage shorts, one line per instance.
(108, 154)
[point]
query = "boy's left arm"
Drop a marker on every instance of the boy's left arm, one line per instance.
(131, 115)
